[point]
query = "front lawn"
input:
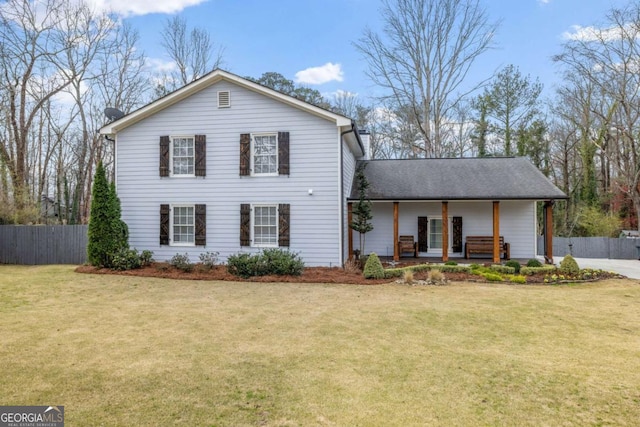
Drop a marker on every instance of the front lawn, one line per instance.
(118, 350)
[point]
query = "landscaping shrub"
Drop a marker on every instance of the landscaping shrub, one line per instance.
(534, 263)
(129, 259)
(269, 261)
(492, 277)
(503, 269)
(517, 279)
(391, 273)
(514, 264)
(242, 265)
(182, 262)
(451, 268)
(529, 271)
(352, 266)
(107, 234)
(209, 259)
(408, 277)
(373, 268)
(450, 263)
(569, 265)
(420, 267)
(436, 276)
(146, 258)
(125, 259)
(280, 262)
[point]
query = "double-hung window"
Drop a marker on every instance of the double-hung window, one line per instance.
(183, 225)
(264, 154)
(265, 225)
(183, 156)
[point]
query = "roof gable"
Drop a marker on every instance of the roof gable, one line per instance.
(208, 80)
(491, 178)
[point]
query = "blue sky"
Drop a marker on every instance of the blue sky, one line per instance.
(312, 40)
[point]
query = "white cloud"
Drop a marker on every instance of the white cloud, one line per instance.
(143, 7)
(319, 75)
(589, 34)
(340, 94)
(67, 99)
(158, 65)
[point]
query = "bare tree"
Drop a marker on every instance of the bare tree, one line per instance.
(46, 47)
(192, 52)
(423, 58)
(458, 131)
(607, 58)
(49, 111)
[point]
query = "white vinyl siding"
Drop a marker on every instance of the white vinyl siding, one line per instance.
(182, 156)
(314, 159)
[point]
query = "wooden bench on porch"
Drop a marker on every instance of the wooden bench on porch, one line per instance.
(484, 245)
(407, 244)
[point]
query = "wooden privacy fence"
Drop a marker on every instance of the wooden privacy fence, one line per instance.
(592, 247)
(43, 244)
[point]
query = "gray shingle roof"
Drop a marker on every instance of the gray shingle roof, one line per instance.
(491, 178)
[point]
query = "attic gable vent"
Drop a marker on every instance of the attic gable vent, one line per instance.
(224, 99)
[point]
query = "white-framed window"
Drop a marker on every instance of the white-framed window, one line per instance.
(435, 233)
(182, 156)
(264, 154)
(183, 225)
(264, 225)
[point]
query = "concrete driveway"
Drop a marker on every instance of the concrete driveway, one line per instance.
(626, 267)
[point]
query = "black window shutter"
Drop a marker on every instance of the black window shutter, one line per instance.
(283, 153)
(423, 234)
(245, 154)
(164, 224)
(283, 224)
(164, 155)
(201, 155)
(201, 225)
(457, 234)
(245, 224)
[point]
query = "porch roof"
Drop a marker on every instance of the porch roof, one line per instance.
(489, 178)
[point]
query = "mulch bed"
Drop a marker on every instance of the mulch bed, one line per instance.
(219, 272)
(310, 275)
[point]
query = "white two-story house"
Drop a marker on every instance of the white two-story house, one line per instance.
(227, 165)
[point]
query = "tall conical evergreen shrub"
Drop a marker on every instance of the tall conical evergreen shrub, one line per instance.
(107, 233)
(362, 214)
(121, 231)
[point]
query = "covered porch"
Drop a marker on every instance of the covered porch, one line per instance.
(446, 230)
(443, 205)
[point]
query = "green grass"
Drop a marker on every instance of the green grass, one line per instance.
(126, 351)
